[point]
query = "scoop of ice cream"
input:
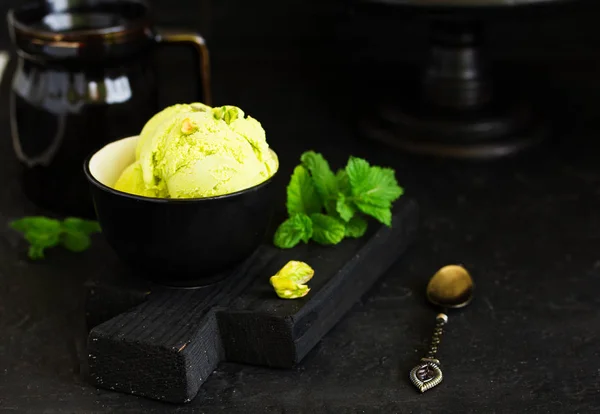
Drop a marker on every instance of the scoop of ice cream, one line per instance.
(155, 122)
(193, 151)
(131, 181)
(252, 131)
(198, 154)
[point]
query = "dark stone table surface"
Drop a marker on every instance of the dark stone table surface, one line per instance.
(527, 228)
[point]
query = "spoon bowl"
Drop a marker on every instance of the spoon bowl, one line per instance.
(451, 287)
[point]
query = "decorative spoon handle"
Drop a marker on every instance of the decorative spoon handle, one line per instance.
(428, 373)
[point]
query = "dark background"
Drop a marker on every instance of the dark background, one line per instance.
(299, 29)
(528, 228)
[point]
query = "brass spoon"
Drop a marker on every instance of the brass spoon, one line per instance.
(451, 287)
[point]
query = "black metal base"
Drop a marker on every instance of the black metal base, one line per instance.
(459, 134)
(459, 109)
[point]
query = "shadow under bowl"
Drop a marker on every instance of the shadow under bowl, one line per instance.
(176, 242)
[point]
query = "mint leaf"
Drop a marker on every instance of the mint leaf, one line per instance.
(76, 241)
(292, 231)
(343, 183)
(35, 252)
(302, 196)
(344, 208)
(42, 233)
(374, 189)
(344, 205)
(83, 226)
(381, 214)
(323, 178)
(308, 227)
(37, 224)
(357, 170)
(327, 230)
(76, 234)
(372, 185)
(40, 240)
(357, 227)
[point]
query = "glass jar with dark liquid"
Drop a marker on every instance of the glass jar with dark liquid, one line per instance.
(84, 78)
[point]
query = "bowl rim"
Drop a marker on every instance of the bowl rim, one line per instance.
(91, 179)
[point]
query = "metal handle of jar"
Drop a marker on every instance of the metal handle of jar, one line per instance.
(177, 37)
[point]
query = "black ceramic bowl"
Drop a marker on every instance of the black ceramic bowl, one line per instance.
(179, 243)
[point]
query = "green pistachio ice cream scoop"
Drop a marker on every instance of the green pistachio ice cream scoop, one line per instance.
(195, 151)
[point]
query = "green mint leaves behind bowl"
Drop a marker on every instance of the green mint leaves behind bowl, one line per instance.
(326, 208)
(42, 233)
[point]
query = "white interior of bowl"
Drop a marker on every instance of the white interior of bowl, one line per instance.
(107, 164)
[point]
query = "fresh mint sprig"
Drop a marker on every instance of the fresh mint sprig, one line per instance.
(43, 233)
(327, 207)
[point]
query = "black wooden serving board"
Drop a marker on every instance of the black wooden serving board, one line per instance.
(164, 343)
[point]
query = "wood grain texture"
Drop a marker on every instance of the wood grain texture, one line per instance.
(112, 293)
(167, 346)
(260, 329)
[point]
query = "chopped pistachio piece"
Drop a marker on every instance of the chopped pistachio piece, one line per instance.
(187, 127)
(289, 282)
